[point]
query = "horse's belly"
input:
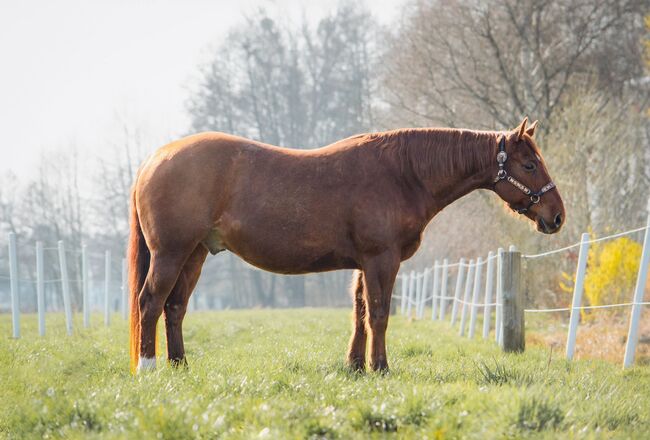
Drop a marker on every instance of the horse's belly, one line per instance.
(294, 264)
(287, 250)
(292, 259)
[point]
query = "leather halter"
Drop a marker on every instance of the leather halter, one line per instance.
(502, 174)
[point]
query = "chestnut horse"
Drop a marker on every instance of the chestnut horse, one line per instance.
(361, 203)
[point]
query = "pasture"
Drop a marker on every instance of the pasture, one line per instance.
(281, 374)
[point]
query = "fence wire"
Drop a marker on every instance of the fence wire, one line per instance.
(475, 263)
(593, 240)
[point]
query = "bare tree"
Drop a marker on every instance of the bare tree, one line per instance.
(48, 208)
(488, 63)
(303, 89)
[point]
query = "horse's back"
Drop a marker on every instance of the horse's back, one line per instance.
(284, 210)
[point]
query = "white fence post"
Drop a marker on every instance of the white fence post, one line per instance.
(405, 288)
(436, 290)
(425, 288)
(468, 289)
(85, 287)
(13, 281)
(107, 288)
(423, 294)
(65, 285)
(125, 291)
(418, 293)
(459, 286)
(577, 296)
(635, 314)
(410, 293)
(498, 323)
(476, 293)
(443, 288)
(487, 311)
(40, 288)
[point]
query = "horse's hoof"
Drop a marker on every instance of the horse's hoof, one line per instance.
(146, 364)
(380, 366)
(178, 362)
(357, 365)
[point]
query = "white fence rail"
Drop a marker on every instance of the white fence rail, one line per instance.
(110, 294)
(469, 283)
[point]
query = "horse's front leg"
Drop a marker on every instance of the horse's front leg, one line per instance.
(379, 276)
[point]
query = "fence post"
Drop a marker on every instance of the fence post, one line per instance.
(423, 294)
(40, 288)
(13, 281)
(65, 286)
(577, 296)
(476, 293)
(85, 288)
(418, 293)
(468, 289)
(498, 324)
(405, 282)
(436, 290)
(410, 294)
(489, 283)
(107, 288)
(513, 303)
(125, 291)
(443, 288)
(635, 314)
(459, 286)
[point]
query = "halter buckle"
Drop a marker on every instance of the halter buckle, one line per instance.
(502, 156)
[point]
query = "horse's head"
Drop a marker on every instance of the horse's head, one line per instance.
(523, 182)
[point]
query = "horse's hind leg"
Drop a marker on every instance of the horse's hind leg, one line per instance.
(162, 275)
(176, 305)
(357, 349)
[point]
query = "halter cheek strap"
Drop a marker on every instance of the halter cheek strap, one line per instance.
(502, 174)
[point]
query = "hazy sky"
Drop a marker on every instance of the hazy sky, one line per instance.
(71, 70)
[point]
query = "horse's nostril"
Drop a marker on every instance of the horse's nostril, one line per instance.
(558, 220)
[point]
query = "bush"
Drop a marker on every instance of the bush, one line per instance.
(612, 270)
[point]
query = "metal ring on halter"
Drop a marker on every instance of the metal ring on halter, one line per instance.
(501, 174)
(534, 198)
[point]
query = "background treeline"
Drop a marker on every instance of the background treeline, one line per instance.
(580, 67)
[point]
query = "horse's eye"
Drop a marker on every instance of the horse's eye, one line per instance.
(530, 166)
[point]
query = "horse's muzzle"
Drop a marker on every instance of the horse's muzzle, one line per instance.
(549, 228)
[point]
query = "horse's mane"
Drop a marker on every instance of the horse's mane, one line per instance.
(439, 152)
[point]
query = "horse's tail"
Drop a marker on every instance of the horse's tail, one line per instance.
(138, 257)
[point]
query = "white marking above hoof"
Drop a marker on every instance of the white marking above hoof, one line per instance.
(145, 364)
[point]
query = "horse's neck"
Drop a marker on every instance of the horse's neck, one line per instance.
(445, 165)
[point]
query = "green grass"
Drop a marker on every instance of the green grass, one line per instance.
(280, 374)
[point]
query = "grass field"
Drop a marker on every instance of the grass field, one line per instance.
(280, 374)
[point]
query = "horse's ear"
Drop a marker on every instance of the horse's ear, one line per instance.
(521, 129)
(530, 131)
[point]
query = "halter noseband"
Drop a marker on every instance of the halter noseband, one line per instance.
(502, 174)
